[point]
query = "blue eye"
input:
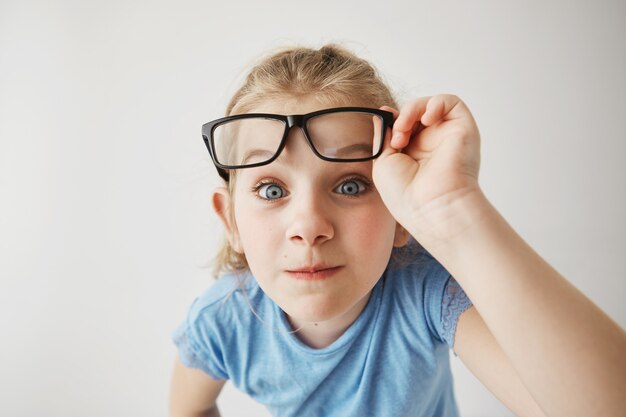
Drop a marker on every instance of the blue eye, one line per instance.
(352, 187)
(270, 191)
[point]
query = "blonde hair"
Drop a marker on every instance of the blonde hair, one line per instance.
(332, 74)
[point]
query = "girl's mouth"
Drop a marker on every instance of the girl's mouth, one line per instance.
(314, 273)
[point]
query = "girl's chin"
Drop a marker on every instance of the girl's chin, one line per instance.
(320, 308)
(313, 313)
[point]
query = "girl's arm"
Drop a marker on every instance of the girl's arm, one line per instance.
(479, 351)
(568, 353)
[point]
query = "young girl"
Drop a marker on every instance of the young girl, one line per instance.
(328, 306)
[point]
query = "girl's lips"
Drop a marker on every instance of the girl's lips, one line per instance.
(316, 275)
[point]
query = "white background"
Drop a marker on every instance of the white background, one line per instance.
(105, 221)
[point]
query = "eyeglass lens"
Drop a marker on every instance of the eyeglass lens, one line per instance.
(339, 135)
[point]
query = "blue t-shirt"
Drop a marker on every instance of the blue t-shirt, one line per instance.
(392, 361)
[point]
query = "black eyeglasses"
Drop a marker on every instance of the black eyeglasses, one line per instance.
(340, 134)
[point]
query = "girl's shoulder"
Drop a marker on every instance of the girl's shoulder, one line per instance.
(226, 293)
(213, 322)
(424, 288)
(420, 267)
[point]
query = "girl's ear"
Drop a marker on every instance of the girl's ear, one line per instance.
(401, 237)
(222, 206)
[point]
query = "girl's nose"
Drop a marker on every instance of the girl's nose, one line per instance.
(310, 223)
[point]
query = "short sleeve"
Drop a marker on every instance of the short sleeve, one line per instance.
(444, 299)
(199, 345)
(453, 304)
(204, 338)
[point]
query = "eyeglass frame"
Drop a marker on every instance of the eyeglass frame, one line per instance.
(299, 120)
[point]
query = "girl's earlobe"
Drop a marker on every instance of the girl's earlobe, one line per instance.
(401, 237)
(222, 205)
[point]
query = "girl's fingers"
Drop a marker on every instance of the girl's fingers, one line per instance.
(387, 149)
(442, 107)
(391, 109)
(426, 111)
(410, 114)
(377, 134)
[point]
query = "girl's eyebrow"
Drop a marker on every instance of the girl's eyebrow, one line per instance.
(264, 153)
(352, 149)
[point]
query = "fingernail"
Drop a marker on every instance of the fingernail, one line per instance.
(396, 137)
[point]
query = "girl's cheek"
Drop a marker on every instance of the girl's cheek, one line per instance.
(372, 226)
(261, 222)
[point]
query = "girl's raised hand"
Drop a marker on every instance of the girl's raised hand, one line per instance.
(431, 160)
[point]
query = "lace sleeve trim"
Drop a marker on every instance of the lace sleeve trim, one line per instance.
(455, 302)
